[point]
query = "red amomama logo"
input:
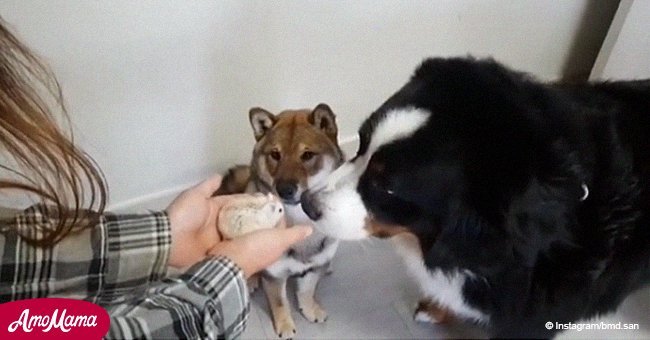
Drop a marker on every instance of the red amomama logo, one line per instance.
(52, 318)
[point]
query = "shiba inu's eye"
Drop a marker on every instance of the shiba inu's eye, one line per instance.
(275, 154)
(307, 155)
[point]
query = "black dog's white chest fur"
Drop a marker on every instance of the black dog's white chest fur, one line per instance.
(445, 288)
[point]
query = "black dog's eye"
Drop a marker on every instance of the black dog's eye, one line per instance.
(275, 154)
(307, 155)
(381, 186)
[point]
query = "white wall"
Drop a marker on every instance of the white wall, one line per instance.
(160, 90)
(626, 49)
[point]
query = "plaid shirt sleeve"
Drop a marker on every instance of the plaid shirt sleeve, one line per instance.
(121, 265)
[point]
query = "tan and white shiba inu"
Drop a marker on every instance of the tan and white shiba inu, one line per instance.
(295, 150)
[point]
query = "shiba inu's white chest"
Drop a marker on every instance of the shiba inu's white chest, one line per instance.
(315, 251)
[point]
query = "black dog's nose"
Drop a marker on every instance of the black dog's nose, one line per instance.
(286, 190)
(309, 206)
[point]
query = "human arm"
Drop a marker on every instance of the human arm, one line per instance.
(120, 264)
(209, 300)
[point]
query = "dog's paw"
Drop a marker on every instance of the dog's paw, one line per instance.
(285, 328)
(424, 317)
(430, 312)
(314, 313)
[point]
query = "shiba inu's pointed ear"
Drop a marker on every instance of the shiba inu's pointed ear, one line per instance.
(261, 121)
(323, 118)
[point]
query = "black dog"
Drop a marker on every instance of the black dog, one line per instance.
(529, 201)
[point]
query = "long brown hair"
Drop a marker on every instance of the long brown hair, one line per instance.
(47, 163)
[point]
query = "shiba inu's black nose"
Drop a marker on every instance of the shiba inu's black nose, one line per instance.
(286, 190)
(309, 206)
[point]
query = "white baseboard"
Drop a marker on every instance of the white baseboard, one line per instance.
(160, 199)
(155, 201)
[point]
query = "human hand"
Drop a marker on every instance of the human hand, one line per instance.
(257, 250)
(193, 222)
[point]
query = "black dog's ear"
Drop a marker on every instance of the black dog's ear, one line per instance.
(261, 121)
(324, 119)
(541, 213)
(542, 218)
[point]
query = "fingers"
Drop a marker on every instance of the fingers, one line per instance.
(293, 235)
(210, 185)
(277, 239)
(259, 249)
(272, 243)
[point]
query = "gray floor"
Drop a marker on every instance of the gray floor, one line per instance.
(368, 296)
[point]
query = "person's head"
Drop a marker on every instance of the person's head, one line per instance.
(41, 159)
